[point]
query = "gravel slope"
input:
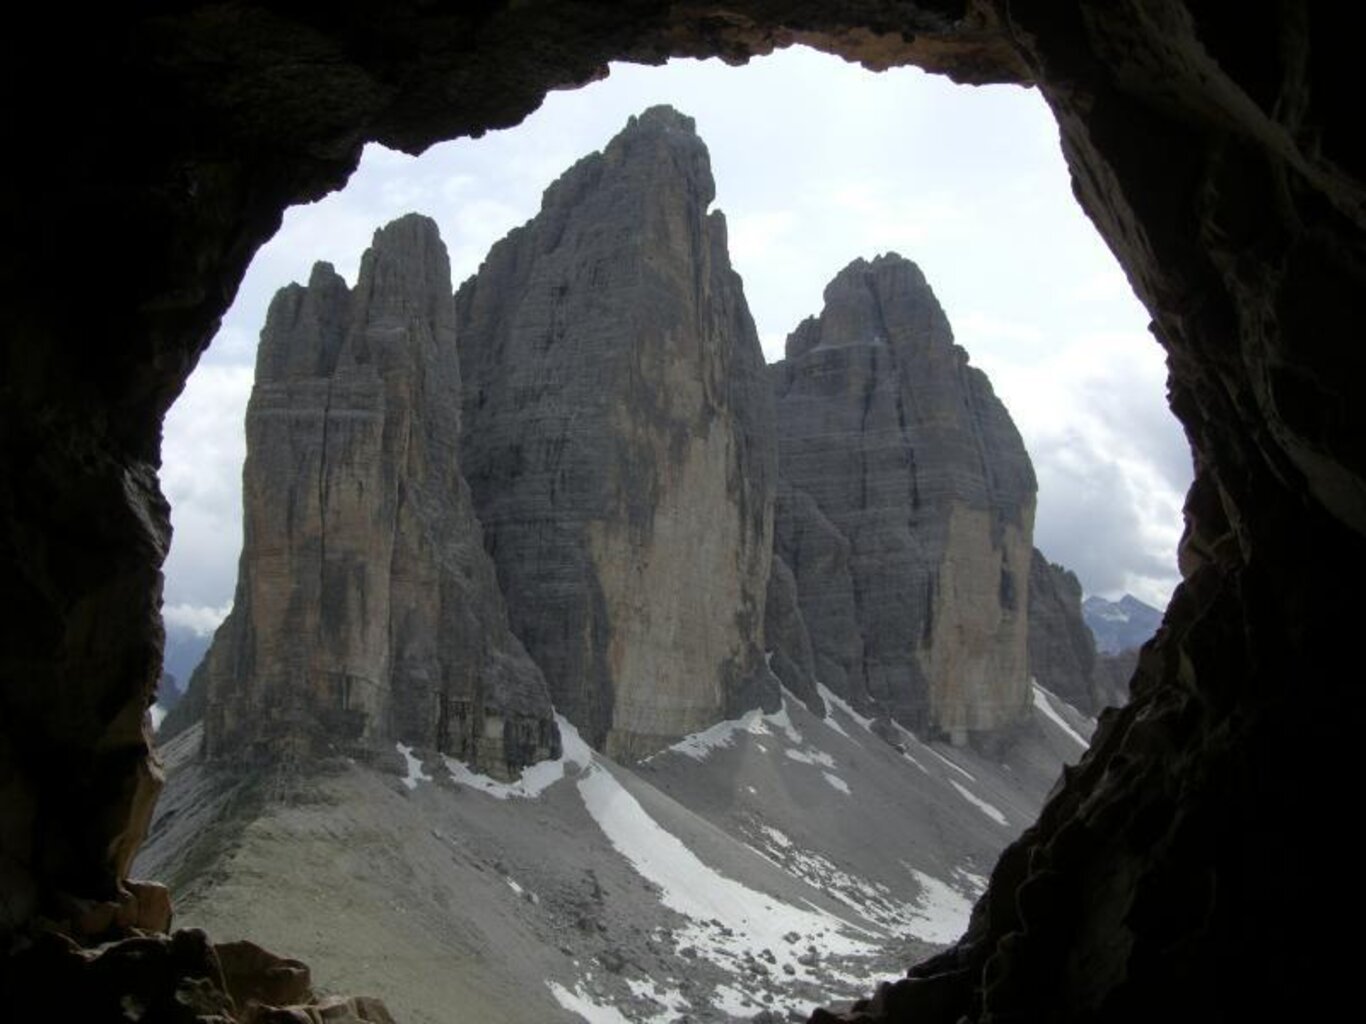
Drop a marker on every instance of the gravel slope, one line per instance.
(774, 862)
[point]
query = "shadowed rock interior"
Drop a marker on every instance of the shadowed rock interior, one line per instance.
(1211, 146)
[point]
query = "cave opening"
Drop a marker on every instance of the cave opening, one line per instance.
(1212, 150)
(1033, 294)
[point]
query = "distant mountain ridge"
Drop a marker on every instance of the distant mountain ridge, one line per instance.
(1120, 625)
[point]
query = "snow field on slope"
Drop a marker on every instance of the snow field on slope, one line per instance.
(941, 912)
(729, 923)
(1043, 700)
(938, 914)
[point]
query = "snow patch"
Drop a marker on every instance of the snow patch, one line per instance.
(839, 702)
(837, 782)
(872, 900)
(521, 890)
(700, 744)
(776, 836)
(1043, 701)
(941, 912)
(536, 778)
(674, 1003)
(158, 714)
(782, 721)
(956, 767)
(415, 772)
(991, 812)
(810, 756)
(974, 884)
(734, 1002)
(727, 919)
(582, 1003)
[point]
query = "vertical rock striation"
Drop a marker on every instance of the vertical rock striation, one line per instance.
(619, 441)
(1062, 652)
(906, 508)
(366, 609)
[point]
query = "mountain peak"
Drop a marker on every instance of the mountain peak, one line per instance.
(662, 117)
(1119, 625)
(656, 160)
(882, 301)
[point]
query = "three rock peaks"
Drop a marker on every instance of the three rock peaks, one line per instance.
(576, 485)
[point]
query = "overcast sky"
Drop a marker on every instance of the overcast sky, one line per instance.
(817, 162)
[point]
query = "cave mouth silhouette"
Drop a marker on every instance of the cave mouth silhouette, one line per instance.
(1211, 147)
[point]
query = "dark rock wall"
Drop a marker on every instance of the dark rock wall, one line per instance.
(1111, 678)
(619, 441)
(366, 610)
(907, 509)
(1213, 146)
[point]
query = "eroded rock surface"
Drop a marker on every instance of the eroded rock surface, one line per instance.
(906, 513)
(178, 978)
(366, 609)
(618, 442)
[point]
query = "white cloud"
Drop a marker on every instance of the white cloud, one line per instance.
(201, 620)
(202, 452)
(760, 235)
(1111, 460)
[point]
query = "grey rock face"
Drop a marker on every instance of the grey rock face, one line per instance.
(366, 608)
(791, 658)
(619, 442)
(1062, 652)
(907, 507)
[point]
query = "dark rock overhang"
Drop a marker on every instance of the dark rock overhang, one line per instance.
(151, 154)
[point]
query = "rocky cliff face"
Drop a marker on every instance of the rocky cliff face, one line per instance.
(619, 442)
(366, 609)
(1062, 652)
(906, 511)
